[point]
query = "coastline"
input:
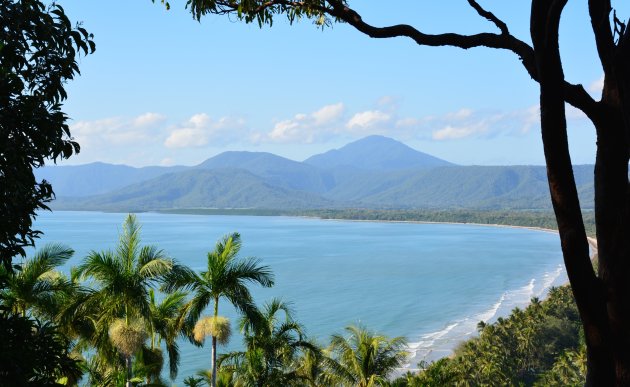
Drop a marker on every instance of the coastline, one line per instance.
(435, 345)
(549, 230)
(445, 337)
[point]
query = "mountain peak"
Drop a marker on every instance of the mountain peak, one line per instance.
(376, 153)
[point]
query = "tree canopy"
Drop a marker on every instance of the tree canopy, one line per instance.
(39, 48)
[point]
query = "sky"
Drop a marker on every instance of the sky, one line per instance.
(164, 89)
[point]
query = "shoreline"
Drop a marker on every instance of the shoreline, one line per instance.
(445, 341)
(534, 228)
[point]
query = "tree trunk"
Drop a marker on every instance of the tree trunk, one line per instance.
(591, 293)
(214, 361)
(128, 361)
(612, 220)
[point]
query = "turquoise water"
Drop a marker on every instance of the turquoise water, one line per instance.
(431, 283)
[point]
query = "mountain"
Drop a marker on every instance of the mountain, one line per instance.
(219, 188)
(375, 153)
(274, 169)
(96, 178)
(375, 172)
(478, 187)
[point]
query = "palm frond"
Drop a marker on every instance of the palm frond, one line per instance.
(101, 266)
(250, 270)
(172, 348)
(180, 277)
(48, 257)
(129, 241)
(153, 269)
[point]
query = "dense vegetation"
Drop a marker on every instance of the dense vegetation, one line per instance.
(39, 50)
(120, 315)
(540, 345)
(541, 219)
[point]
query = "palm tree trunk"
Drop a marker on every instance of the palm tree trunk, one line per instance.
(214, 346)
(128, 361)
(214, 361)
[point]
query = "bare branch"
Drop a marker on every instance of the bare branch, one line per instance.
(490, 16)
(620, 27)
(599, 11)
(574, 94)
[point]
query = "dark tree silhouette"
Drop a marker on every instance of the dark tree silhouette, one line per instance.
(38, 51)
(603, 298)
(34, 354)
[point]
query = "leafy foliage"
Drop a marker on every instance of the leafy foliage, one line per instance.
(121, 298)
(38, 55)
(273, 342)
(539, 345)
(365, 359)
(34, 353)
(227, 277)
(37, 286)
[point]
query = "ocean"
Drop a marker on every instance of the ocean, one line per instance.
(431, 283)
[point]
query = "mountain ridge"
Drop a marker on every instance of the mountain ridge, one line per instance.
(261, 180)
(370, 153)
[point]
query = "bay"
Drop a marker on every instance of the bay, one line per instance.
(431, 283)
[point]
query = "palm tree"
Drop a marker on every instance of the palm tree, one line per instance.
(313, 367)
(166, 324)
(365, 359)
(226, 277)
(122, 279)
(273, 342)
(37, 285)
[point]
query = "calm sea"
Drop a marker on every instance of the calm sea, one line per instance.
(431, 283)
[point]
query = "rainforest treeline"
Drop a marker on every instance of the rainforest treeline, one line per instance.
(531, 218)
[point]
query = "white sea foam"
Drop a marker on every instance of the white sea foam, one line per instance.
(434, 345)
(488, 314)
(551, 279)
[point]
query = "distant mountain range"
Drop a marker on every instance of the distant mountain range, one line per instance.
(374, 172)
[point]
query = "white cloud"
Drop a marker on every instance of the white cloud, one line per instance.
(287, 129)
(461, 114)
(326, 122)
(597, 85)
(453, 133)
(186, 137)
(167, 162)
(305, 128)
(530, 118)
(458, 132)
(368, 119)
(407, 122)
(574, 114)
(200, 129)
(118, 130)
(148, 119)
(466, 123)
(328, 114)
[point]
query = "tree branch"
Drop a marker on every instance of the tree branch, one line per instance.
(574, 94)
(599, 11)
(490, 16)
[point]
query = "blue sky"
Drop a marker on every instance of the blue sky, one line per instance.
(163, 89)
